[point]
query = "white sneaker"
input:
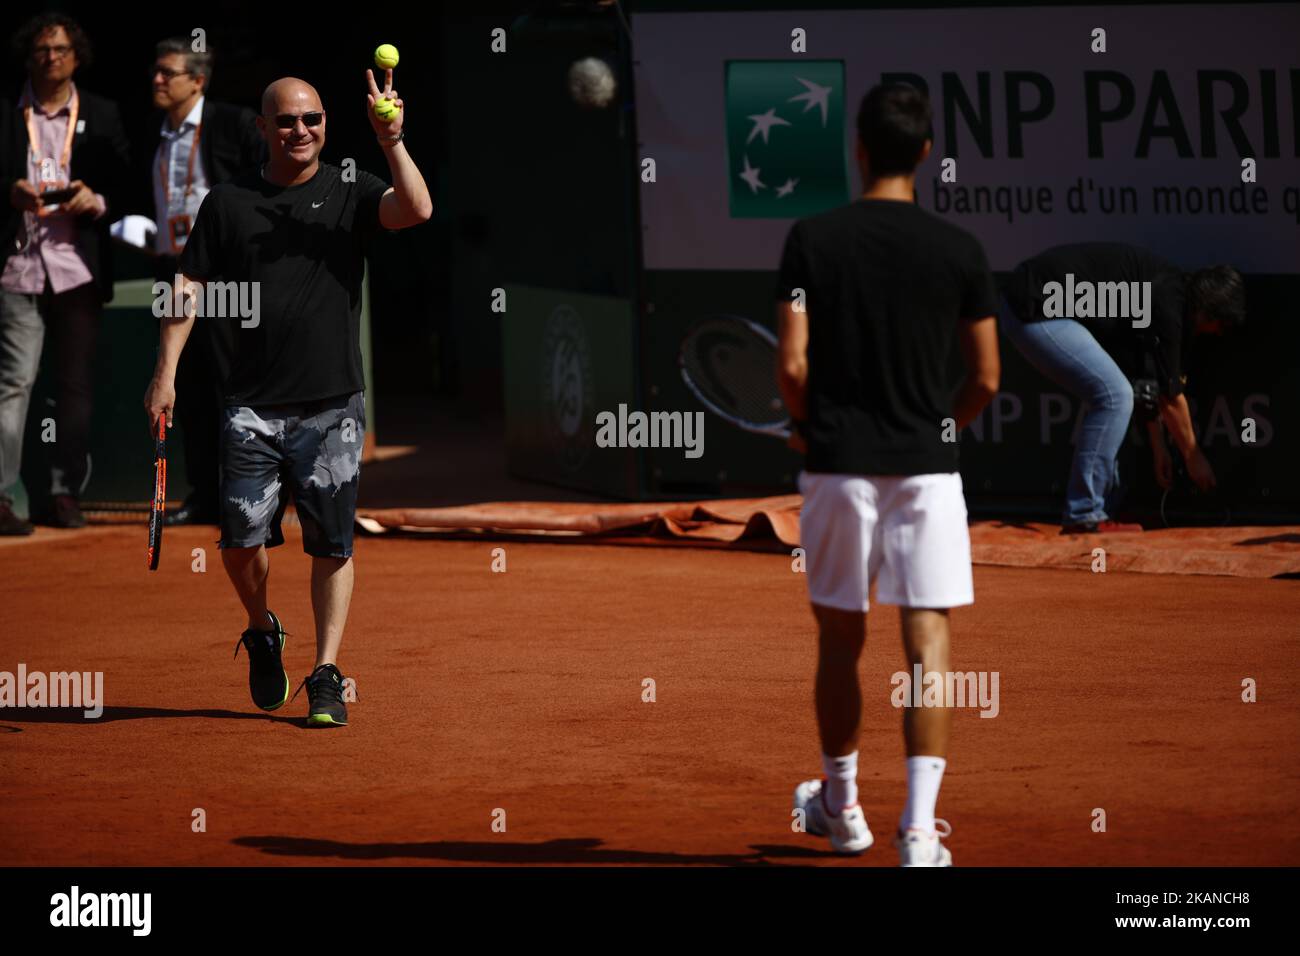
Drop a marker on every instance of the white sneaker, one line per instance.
(848, 831)
(922, 848)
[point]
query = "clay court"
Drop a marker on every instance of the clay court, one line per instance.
(522, 691)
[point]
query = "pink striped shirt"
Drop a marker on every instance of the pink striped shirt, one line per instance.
(51, 250)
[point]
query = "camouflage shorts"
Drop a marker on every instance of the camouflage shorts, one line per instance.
(308, 452)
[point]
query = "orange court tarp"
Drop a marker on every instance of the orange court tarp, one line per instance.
(769, 523)
(772, 524)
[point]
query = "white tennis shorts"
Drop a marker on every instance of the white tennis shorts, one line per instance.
(907, 533)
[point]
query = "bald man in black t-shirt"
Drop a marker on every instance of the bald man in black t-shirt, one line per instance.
(290, 240)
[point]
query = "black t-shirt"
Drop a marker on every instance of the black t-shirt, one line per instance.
(305, 247)
(1154, 352)
(886, 283)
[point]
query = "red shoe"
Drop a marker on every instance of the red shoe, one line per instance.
(1099, 527)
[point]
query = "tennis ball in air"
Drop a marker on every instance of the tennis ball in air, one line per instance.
(386, 109)
(591, 83)
(385, 56)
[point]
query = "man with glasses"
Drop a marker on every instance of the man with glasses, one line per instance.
(63, 166)
(201, 142)
(292, 237)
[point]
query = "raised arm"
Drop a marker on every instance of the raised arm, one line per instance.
(407, 202)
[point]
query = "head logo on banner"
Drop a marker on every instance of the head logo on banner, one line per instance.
(785, 137)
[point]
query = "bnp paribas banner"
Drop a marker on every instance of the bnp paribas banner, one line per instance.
(1173, 127)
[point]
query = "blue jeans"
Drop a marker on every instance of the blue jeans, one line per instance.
(22, 335)
(69, 322)
(1067, 353)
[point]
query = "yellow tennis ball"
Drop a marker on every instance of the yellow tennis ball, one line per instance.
(385, 56)
(386, 109)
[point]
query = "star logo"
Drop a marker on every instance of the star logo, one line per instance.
(786, 141)
(763, 123)
(750, 175)
(815, 96)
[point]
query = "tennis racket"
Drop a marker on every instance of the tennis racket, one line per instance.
(159, 504)
(729, 364)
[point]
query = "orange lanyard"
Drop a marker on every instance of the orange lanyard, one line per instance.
(164, 166)
(74, 105)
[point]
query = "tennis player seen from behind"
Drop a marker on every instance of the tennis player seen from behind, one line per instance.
(294, 394)
(863, 368)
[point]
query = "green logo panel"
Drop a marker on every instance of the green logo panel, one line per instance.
(785, 138)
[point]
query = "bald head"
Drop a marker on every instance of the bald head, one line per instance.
(293, 147)
(290, 95)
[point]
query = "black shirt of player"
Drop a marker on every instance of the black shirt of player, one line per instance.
(305, 247)
(886, 283)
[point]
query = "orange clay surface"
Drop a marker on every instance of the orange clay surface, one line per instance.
(523, 691)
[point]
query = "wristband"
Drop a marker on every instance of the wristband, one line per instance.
(392, 141)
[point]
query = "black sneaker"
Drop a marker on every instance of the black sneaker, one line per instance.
(267, 681)
(62, 511)
(325, 697)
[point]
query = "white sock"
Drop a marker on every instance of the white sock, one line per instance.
(841, 781)
(924, 774)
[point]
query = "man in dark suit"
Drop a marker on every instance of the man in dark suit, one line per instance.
(228, 142)
(63, 167)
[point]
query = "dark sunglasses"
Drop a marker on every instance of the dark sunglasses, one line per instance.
(290, 120)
